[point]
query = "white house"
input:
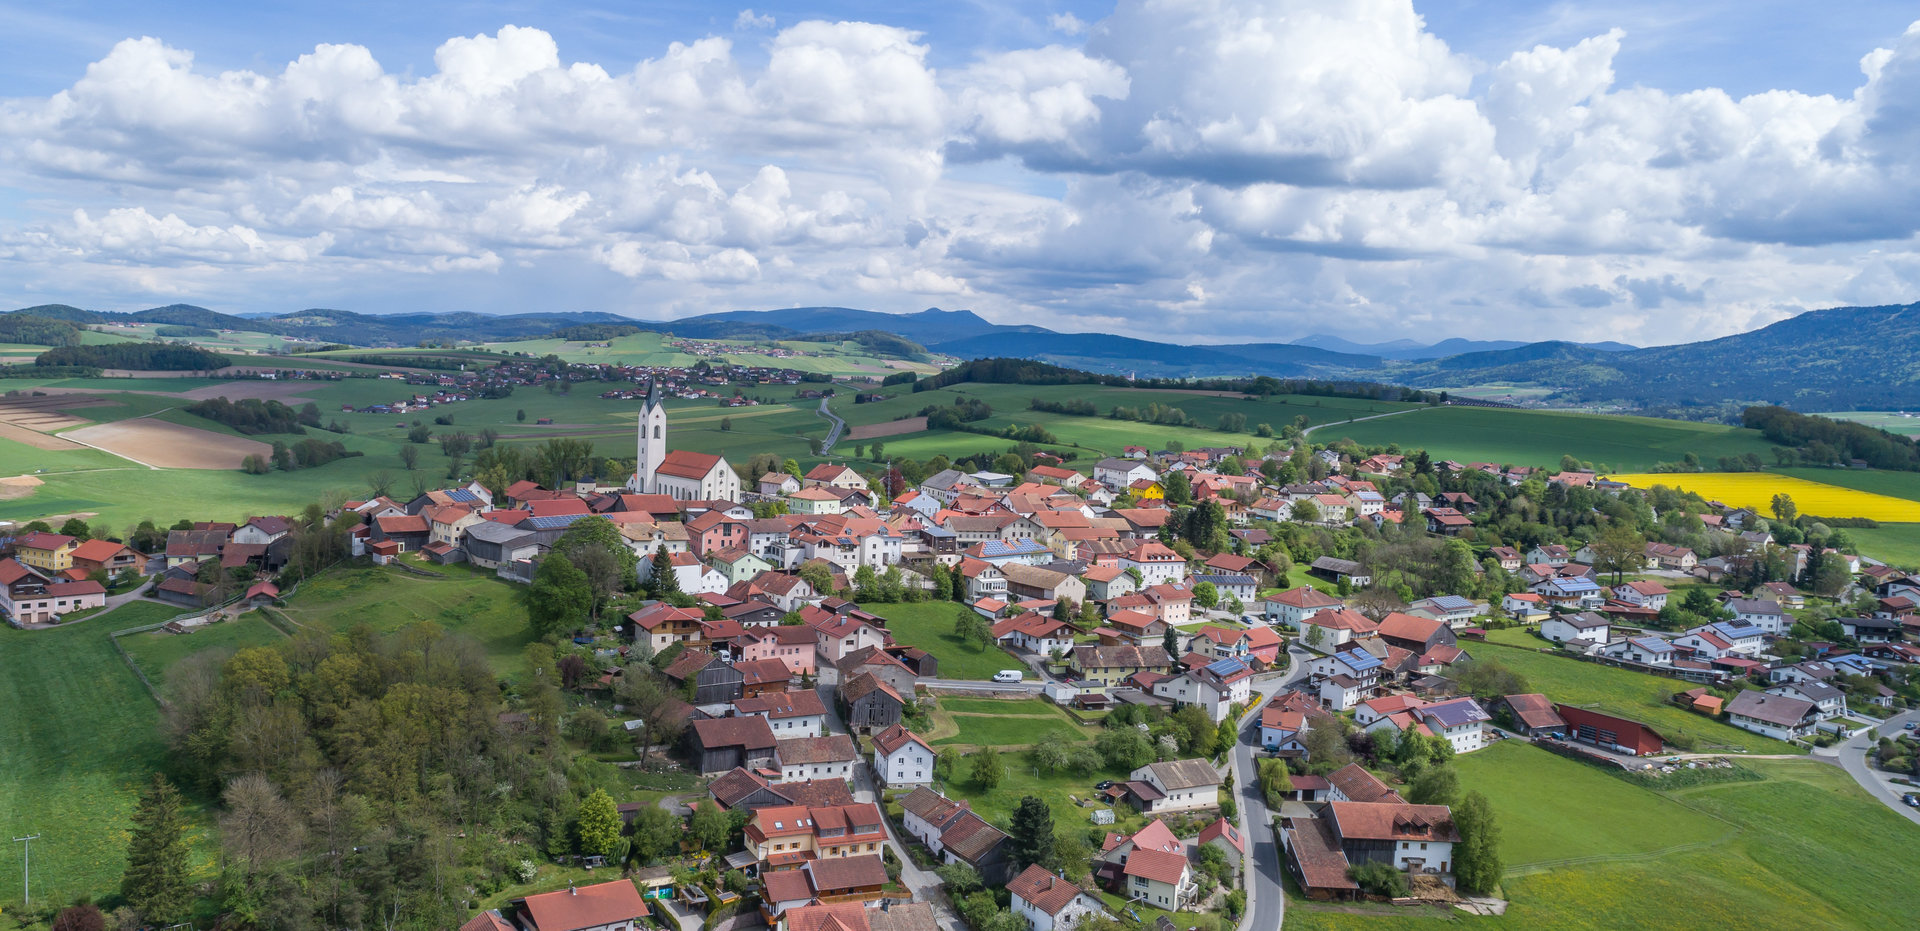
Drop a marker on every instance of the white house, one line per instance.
(1182, 785)
(1723, 638)
(1157, 563)
(1761, 613)
(1048, 902)
(1646, 594)
(1297, 604)
(1828, 701)
(1460, 720)
(1117, 474)
(1650, 650)
(1577, 629)
(1775, 716)
(805, 758)
(1214, 688)
(902, 758)
(789, 714)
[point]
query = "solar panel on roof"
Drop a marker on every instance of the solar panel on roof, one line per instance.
(1359, 660)
(1225, 667)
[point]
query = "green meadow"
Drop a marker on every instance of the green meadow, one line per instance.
(1541, 438)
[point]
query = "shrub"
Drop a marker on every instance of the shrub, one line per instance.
(1379, 879)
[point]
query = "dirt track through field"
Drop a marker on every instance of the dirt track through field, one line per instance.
(165, 445)
(890, 428)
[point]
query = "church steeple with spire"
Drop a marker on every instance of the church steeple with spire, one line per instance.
(652, 446)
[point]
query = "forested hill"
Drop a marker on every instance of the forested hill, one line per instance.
(1843, 358)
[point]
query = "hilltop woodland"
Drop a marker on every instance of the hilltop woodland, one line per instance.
(159, 357)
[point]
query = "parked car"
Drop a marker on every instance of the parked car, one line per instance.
(1912, 800)
(1103, 785)
(1008, 675)
(1910, 725)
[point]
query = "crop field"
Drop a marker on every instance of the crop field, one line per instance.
(1756, 490)
(1901, 422)
(1610, 690)
(1831, 864)
(1540, 438)
(1552, 808)
(929, 626)
(80, 738)
(843, 358)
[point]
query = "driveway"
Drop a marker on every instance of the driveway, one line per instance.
(1853, 759)
(113, 601)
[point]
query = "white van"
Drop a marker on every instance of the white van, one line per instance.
(1008, 675)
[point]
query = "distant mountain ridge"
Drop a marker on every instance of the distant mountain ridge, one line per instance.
(1834, 359)
(1408, 350)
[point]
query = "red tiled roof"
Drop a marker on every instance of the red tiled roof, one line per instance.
(685, 463)
(1043, 890)
(586, 906)
(1157, 865)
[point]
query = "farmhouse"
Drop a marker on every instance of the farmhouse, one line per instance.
(902, 758)
(1176, 785)
(955, 834)
(1775, 716)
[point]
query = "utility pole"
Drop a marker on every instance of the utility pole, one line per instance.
(26, 868)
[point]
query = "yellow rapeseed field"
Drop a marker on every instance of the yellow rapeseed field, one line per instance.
(1756, 490)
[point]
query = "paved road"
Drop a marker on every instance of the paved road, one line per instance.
(1266, 897)
(833, 434)
(1853, 759)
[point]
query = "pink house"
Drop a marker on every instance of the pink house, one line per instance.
(794, 645)
(713, 531)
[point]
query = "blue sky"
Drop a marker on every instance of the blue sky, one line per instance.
(1374, 168)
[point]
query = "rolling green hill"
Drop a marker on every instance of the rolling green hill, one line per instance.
(1539, 438)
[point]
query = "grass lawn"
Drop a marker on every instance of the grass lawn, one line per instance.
(1895, 544)
(1551, 808)
(929, 626)
(1892, 484)
(1011, 723)
(996, 805)
(1204, 921)
(1805, 848)
(1540, 438)
(486, 609)
(80, 739)
(156, 650)
(1632, 695)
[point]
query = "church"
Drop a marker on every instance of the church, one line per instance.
(682, 475)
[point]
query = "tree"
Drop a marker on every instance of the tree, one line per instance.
(1305, 512)
(972, 628)
(791, 467)
(156, 882)
(987, 769)
(1436, 785)
(817, 575)
(410, 457)
(520, 416)
(80, 918)
(1176, 487)
(656, 832)
(1487, 679)
(1206, 595)
(960, 879)
(726, 426)
(1170, 641)
(595, 546)
(559, 598)
(77, 529)
(1784, 508)
(663, 581)
(710, 827)
(1031, 834)
(1620, 549)
(1830, 576)
(1125, 748)
(599, 825)
(1476, 859)
(866, 584)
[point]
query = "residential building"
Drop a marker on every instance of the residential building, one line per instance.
(1048, 901)
(1776, 716)
(902, 758)
(1175, 785)
(1586, 628)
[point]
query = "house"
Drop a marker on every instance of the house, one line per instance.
(836, 635)
(741, 790)
(1159, 879)
(1224, 835)
(1117, 474)
(1776, 716)
(847, 882)
(1723, 638)
(30, 596)
(775, 484)
(1646, 649)
(1460, 720)
(1157, 563)
(866, 702)
(1175, 785)
(783, 837)
(1409, 838)
(661, 625)
(1214, 688)
(609, 906)
(47, 552)
(1525, 607)
(1644, 594)
(1109, 665)
(1048, 901)
(1508, 558)
(1828, 701)
(1456, 611)
(1549, 554)
(1570, 592)
(955, 834)
(1619, 735)
(885, 666)
(1871, 629)
(789, 714)
(726, 743)
(1330, 630)
(105, 556)
(1668, 556)
(1352, 783)
(1036, 633)
(1026, 582)
(1531, 715)
(794, 645)
(902, 758)
(1236, 586)
(1760, 612)
(830, 475)
(803, 759)
(1294, 605)
(1283, 730)
(1585, 628)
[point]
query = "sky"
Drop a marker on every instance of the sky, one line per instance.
(1201, 171)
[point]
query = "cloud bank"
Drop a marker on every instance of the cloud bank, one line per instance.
(1204, 170)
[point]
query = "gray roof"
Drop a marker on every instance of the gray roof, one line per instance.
(1754, 606)
(1455, 712)
(1185, 774)
(1773, 709)
(493, 531)
(944, 480)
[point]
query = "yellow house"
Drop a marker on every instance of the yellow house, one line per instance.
(52, 552)
(1147, 489)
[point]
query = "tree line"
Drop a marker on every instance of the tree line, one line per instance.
(161, 357)
(254, 416)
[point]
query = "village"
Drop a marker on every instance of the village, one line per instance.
(1267, 713)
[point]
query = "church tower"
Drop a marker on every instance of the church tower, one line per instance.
(652, 447)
